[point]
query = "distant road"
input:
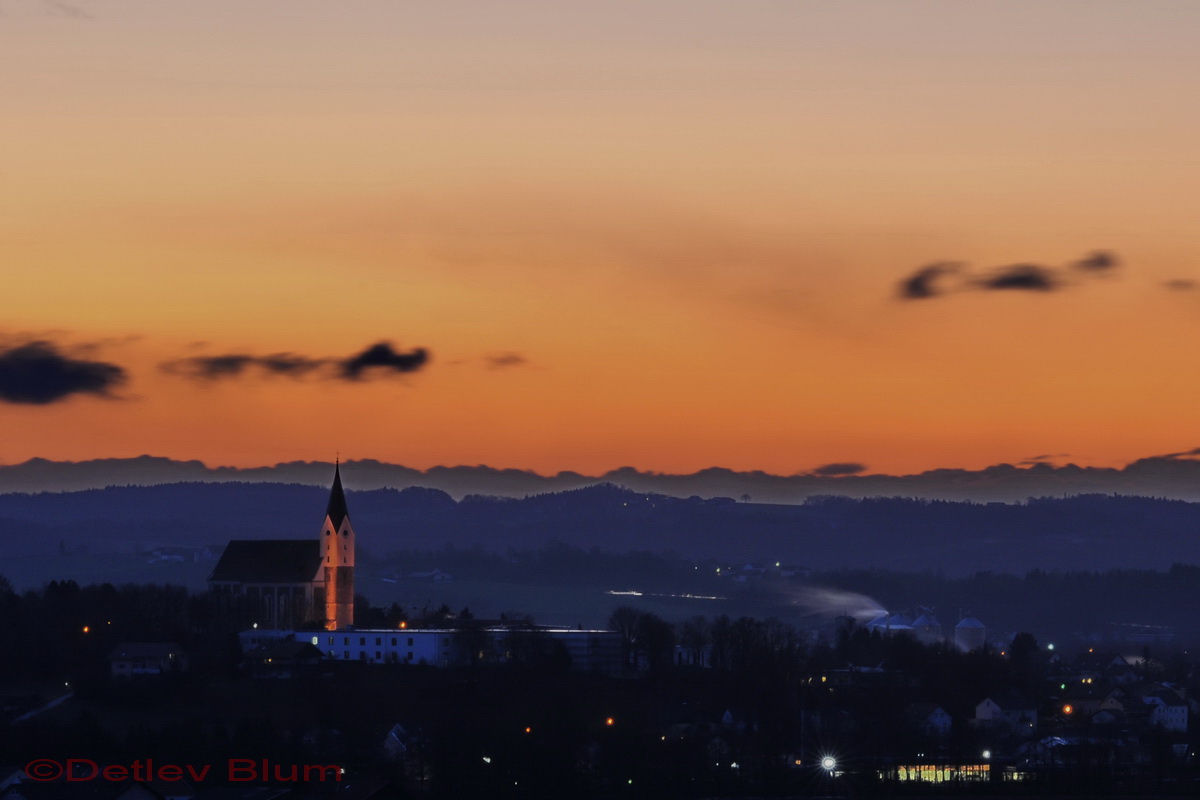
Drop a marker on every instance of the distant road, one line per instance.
(56, 701)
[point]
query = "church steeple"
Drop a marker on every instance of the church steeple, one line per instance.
(336, 510)
(337, 557)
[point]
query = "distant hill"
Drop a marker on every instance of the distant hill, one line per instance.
(1173, 476)
(1091, 532)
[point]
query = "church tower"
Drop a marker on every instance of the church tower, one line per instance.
(337, 558)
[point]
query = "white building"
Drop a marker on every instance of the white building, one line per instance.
(1168, 711)
(970, 634)
(588, 650)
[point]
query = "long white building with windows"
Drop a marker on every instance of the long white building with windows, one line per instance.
(588, 650)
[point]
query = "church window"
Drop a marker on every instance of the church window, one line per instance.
(326, 559)
(328, 532)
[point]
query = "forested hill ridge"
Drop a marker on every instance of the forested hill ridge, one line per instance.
(1087, 532)
(1173, 475)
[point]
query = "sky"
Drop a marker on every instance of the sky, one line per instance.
(773, 235)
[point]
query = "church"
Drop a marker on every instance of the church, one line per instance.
(292, 583)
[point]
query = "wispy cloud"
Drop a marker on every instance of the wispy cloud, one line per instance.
(39, 373)
(380, 358)
(935, 280)
(43, 8)
(1098, 261)
(505, 359)
(1045, 458)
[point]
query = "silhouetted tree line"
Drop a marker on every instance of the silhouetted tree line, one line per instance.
(767, 695)
(66, 632)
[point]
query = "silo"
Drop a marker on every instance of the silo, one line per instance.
(970, 634)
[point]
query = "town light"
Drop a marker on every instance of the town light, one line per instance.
(1068, 709)
(987, 754)
(828, 763)
(610, 722)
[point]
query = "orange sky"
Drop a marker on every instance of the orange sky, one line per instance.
(666, 235)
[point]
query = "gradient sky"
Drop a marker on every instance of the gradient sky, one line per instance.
(663, 234)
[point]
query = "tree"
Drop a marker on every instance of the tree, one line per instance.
(624, 621)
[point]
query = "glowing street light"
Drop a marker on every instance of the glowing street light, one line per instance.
(828, 763)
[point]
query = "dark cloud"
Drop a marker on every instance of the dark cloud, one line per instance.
(1195, 451)
(234, 365)
(1180, 285)
(839, 468)
(1043, 459)
(932, 280)
(1020, 277)
(509, 359)
(380, 357)
(38, 373)
(923, 282)
(1098, 261)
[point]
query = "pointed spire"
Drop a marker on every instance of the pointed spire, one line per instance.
(336, 510)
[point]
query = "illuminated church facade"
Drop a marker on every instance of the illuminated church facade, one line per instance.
(293, 583)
